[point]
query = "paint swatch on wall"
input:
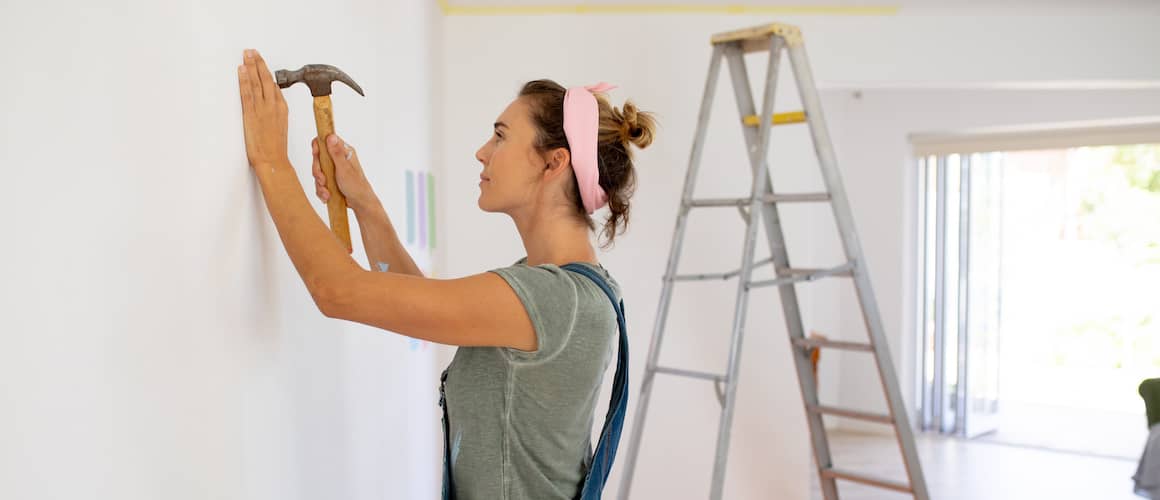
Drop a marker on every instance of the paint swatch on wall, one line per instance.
(420, 209)
(420, 223)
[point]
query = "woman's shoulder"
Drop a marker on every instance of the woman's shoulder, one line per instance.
(558, 280)
(561, 275)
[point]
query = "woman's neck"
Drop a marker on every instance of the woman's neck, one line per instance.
(553, 237)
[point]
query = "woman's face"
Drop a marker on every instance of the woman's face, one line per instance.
(513, 170)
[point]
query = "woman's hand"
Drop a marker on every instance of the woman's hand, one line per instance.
(263, 114)
(348, 172)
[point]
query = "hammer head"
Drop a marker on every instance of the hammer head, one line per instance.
(317, 77)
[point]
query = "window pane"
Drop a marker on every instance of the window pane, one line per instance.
(950, 274)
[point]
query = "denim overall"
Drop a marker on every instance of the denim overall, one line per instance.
(613, 422)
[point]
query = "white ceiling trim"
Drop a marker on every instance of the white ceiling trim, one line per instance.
(996, 85)
(1143, 130)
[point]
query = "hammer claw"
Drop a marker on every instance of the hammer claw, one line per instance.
(317, 77)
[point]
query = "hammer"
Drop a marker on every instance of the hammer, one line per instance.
(318, 77)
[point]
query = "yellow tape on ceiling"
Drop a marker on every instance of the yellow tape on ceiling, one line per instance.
(563, 9)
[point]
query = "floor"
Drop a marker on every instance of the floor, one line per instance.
(974, 470)
(1119, 435)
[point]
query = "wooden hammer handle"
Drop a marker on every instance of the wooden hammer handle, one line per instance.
(336, 206)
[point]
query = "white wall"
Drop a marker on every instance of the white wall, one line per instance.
(659, 61)
(155, 341)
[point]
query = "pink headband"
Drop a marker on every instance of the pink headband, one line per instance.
(581, 127)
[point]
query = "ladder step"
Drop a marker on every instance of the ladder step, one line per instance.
(833, 344)
(843, 412)
(799, 275)
(769, 198)
(778, 119)
(690, 373)
(832, 473)
(717, 276)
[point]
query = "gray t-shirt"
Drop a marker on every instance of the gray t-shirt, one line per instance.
(520, 421)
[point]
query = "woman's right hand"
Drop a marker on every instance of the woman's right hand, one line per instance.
(348, 173)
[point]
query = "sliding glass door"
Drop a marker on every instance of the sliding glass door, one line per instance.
(960, 249)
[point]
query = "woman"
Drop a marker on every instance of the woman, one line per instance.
(534, 338)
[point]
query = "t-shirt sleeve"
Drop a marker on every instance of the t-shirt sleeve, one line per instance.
(550, 297)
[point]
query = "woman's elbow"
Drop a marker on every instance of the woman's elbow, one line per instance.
(327, 297)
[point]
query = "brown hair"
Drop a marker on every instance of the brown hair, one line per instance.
(618, 128)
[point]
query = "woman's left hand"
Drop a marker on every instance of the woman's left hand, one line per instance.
(263, 113)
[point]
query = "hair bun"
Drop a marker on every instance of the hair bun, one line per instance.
(636, 127)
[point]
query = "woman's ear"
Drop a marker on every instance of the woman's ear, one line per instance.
(558, 159)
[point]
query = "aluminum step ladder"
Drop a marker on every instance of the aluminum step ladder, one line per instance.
(762, 204)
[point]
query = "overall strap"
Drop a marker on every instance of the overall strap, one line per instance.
(605, 452)
(448, 492)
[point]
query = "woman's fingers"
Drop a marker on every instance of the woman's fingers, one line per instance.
(346, 166)
(315, 165)
(316, 169)
(320, 188)
(255, 80)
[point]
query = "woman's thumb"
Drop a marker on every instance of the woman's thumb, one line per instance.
(334, 144)
(339, 150)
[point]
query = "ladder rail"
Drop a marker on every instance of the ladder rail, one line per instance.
(758, 149)
(791, 309)
(844, 217)
(670, 269)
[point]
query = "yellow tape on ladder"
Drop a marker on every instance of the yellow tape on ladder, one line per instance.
(778, 118)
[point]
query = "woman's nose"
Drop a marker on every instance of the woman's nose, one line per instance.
(479, 155)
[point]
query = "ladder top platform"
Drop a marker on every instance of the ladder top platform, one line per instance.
(757, 38)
